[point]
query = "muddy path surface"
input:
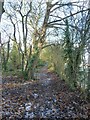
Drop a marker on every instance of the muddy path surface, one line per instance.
(46, 98)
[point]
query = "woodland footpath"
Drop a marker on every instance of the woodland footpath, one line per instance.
(47, 98)
(45, 59)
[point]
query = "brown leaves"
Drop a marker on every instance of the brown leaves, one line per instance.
(48, 97)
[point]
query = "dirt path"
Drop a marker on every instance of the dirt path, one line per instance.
(48, 97)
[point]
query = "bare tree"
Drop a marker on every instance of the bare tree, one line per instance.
(35, 20)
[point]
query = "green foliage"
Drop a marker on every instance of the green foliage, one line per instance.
(25, 75)
(12, 73)
(46, 55)
(40, 63)
(66, 59)
(53, 56)
(15, 58)
(3, 56)
(71, 57)
(28, 73)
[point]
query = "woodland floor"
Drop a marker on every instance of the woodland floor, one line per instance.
(47, 98)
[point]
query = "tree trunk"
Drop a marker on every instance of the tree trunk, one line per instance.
(33, 66)
(88, 86)
(22, 62)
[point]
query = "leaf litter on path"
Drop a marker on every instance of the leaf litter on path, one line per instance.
(48, 98)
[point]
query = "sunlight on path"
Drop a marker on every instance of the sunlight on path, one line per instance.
(43, 77)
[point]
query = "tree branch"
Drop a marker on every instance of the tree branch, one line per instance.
(68, 16)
